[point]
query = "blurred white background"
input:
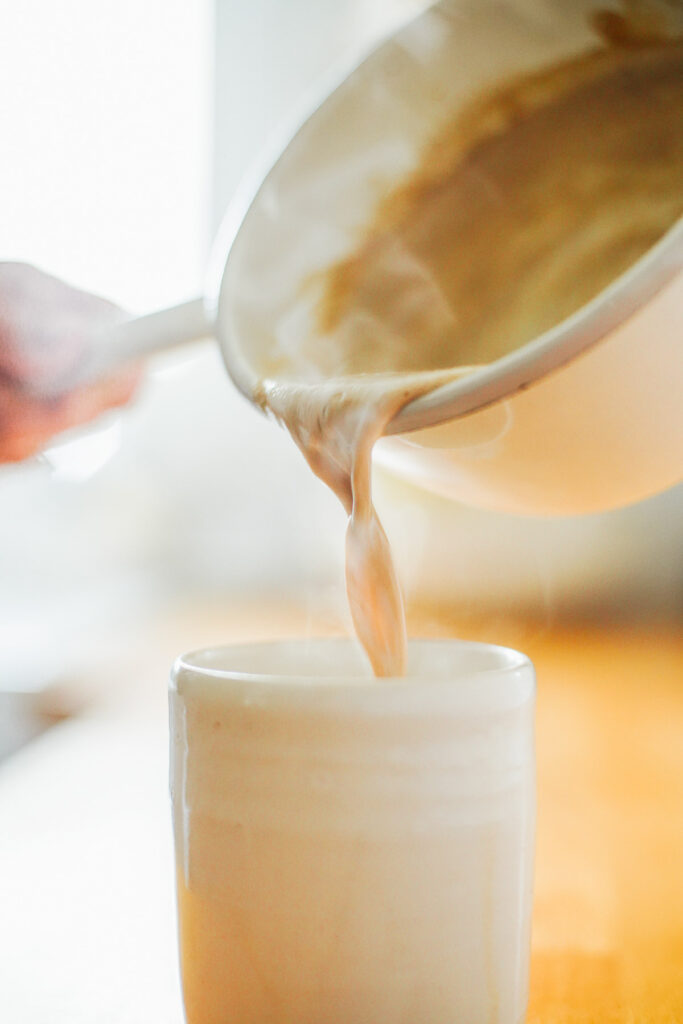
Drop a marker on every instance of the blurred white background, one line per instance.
(126, 126)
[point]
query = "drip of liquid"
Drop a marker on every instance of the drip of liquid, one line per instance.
(336, 424)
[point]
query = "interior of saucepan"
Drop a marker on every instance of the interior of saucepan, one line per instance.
(475, 181)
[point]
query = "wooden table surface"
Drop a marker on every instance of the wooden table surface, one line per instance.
(87, 933)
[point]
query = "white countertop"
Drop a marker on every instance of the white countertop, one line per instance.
(87, 931)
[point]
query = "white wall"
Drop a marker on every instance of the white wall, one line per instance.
(105, 125)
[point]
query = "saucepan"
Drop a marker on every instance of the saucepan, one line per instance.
(585, 416)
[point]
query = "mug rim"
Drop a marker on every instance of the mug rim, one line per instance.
(507, 683)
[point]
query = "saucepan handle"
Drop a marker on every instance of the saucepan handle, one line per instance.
(146, 335)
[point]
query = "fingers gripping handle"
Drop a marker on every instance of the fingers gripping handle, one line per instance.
(127, 342)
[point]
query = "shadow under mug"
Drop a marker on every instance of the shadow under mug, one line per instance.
(353, 849)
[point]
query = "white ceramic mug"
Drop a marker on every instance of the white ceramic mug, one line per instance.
(351, 849)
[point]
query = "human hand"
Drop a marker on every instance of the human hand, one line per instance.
(47, 330)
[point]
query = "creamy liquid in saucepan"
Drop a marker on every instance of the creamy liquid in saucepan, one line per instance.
(530, 202)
